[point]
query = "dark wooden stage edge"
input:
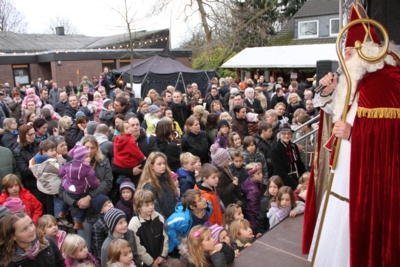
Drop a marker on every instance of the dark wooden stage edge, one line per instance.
(280, 247)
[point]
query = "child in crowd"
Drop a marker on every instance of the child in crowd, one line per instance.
(98, 104)
(265, 140)
(273, 185)
(234, 142)
(120, 251)
(220, 236)
(31, 96)
(75, 251)
(175, 180)
(197, 167)
(225, 116)
(192, 210)
(208, 187)
(232, 212)
(151, 119)
(240, 231)
(301, 192)
(14, 205)
(148, 227)
(77, 177)
(238, 170)
(251, 154)
(252, 190)
(186, 172)
(3, 211)
(223, 129)
(125, 203)
(49, 227)
(200, 250)
(13, 188)
(107, 112)
(101, 204)
(126, 152)
(44, 166)
(285, 205)
(227, 183)
(116, 222)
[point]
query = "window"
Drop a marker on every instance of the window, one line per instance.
(21, 74)
(109, 63)
(334, 27)
(124, 62)
(308, 29)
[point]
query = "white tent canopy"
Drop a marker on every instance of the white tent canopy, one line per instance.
(292, 56)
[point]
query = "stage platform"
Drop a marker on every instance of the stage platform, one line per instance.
(279, 247)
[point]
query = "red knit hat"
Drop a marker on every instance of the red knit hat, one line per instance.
(362, 31)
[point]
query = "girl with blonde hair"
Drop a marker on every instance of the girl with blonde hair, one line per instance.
(75, 251)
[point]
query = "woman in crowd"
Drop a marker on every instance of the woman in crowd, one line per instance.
(166, 144)
(78, 129)
(64, 129)
(62, 147)
(151, 95)
(102, 170)
(10, 135)
(40, 126)
(27, 149)
(199, 112)
(196, 141)
(294, 104)
(143, 109)
(280, 108)
(29, 117)
(239, 123)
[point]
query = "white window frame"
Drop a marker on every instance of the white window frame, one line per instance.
(330, 27)
(307, 36)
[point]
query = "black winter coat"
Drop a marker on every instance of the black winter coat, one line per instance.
(265, 148)
(164, 204)
(198, 145)
(22, 157)
(76, 134)
(180, 114)
(9, 140)
(256, 106)
(290, 111)
(276, 99)
(225, 188)
(262, 219)
(49, 256)
(280, 163)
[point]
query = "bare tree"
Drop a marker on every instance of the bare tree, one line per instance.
(11, 20)
(69, 27)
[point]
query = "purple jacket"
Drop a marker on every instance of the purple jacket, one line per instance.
(253, 192)
(77, 178)
(126, 207)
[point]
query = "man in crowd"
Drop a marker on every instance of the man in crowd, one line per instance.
(71, 88)
(73, 108)
(214, 96)
(167, 98)
(54, 94)
(44, 96)
(223, 89)
(61, 105)
(179, 111)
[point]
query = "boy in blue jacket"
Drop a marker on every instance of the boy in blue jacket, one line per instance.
(192, 210)
(186, 172)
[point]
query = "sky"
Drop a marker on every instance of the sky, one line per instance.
(96, 17)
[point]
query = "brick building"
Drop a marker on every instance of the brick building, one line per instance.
(26, 57)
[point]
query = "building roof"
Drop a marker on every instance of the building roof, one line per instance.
(293, 56)
(11, 42)
(313, 8)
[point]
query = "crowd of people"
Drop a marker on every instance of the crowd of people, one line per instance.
(91, 177)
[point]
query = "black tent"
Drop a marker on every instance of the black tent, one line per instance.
(159, 71)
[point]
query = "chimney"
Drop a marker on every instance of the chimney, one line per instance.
(60, 30)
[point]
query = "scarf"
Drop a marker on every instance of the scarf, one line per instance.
(31, 253)
(180, 106)
(15, 132)
(90, 258)
(281, 213)
(291, 152)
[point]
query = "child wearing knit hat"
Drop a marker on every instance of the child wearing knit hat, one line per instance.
(223, 130)
(127, 190)
(227, 183)
(220, 236)
(31, 96)
(78, 176)
(152, 118)
(116, 222)
(14, 205)
(101, 204)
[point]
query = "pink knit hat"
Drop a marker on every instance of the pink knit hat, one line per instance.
(79, 153)
(174, 176)
(215, 231)
(218, 155)
(14, 204)
(30, 91)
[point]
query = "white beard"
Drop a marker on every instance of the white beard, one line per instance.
(357, 67)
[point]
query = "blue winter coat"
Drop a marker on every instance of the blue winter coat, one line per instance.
(186, 180)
